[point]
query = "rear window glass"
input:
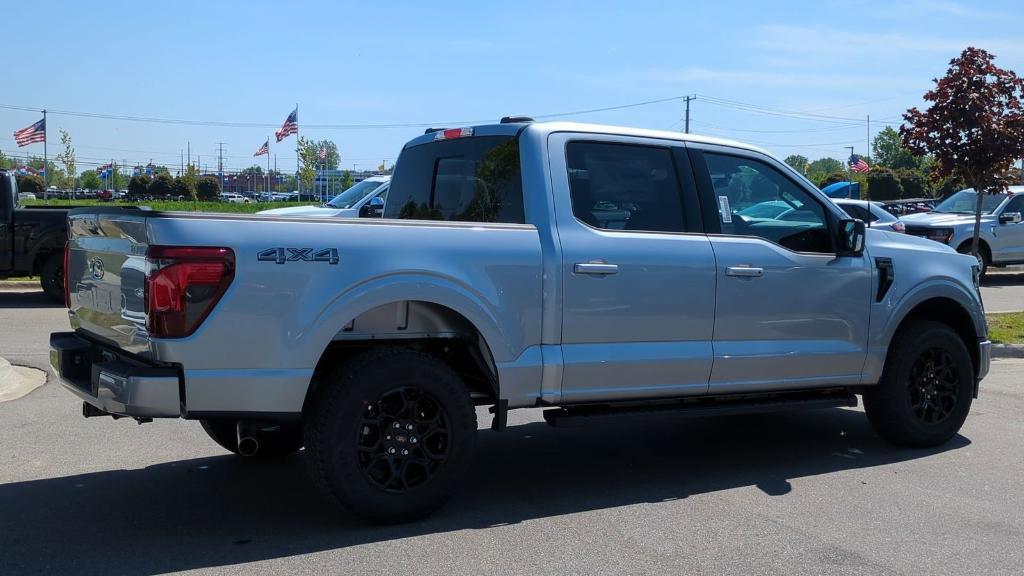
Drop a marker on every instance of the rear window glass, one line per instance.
(467, 180)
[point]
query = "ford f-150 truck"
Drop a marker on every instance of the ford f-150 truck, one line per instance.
(31, 239)
(603, 273)
(951, 222)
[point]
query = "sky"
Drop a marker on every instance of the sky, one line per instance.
(791, 77)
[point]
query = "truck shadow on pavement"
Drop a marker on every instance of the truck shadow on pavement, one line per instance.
(1003, 279)
(222, 510)
(26, 299)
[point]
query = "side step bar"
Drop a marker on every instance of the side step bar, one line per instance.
(590, 414)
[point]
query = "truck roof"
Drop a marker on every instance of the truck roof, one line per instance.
(513, 128)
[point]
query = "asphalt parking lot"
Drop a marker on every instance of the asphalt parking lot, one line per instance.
(790, 493)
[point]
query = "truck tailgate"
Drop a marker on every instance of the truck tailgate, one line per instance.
(106, 275)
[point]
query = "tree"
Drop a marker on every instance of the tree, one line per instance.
(190, 179)
(138, 186)
(162, 186)
(837, 176)
(179, 189)
(974, 128)
(346, 179)
(207, 188)
(5, 162)
(308, 162)
(890, 152)
(333, 159)
(30, 183)
(797, 162)
(914, 184)
(884, 184)
(90, 180)
(67, 158)
(822, 167)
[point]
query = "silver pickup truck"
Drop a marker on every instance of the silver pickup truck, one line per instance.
(951, 222)
(604, 273)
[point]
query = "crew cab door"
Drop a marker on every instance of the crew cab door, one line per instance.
(637, 272)
(789, 312)
(8, 196)
(1010, 235)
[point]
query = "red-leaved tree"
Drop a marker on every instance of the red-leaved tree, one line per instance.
(974, 127)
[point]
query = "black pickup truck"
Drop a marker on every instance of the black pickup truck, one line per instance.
(32, 239)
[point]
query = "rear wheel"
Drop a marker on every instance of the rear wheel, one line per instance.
(926, 388)
(390, 435)
(51, 277)
(272, 440)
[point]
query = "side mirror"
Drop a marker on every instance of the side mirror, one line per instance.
(372, 209)
(1009, 218)
(851, 237)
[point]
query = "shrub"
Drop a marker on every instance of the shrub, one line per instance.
(834, 177)
(948, 186)
(162, 186)
(179, 189)
(914, 184)
(138, 186)
(208, 188)
(884, 184)
(30, 183)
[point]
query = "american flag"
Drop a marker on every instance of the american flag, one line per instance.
(265, 149)
(34, 133)
(322, 153)
(857, 164)
(290, 126)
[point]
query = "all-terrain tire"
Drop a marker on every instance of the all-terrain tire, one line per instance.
(926, 388)
(275, 440)
(51, 277)
(390, 434)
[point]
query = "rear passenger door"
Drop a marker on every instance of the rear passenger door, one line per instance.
(638, 274)
(790, 313)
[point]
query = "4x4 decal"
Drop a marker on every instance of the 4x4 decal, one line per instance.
(282, 255)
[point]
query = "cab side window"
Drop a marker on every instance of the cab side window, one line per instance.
(625, 187)
(1015, 205)
(754, 199)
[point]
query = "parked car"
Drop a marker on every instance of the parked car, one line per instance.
(32, 239)
(951, 222)
(26, 196)
(354, 202)
(873, 214)
(593, 270)
(233, 198)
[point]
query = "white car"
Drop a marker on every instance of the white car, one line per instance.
(355, 202)
(234, 198)
(26, 196)
(873, 214)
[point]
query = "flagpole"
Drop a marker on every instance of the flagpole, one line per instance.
(46, 172)
(298, 181)
(267, 187)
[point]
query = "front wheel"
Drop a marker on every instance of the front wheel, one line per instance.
(390, 435)
(983, 257)
(926, 388)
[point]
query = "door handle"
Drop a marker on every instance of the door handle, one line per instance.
(596, 268)
(744, 272)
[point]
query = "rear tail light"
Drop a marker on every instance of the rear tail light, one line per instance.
(899, 226)
(67, 275)
(183, 285)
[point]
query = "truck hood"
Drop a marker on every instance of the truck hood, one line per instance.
(878, 238)
(941, 219)
(311, 212)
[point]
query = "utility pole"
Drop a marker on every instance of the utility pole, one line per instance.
(220, 164)
(46, 170)
(688, 98)
(869, 135)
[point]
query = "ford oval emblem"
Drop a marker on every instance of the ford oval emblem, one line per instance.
(96, 269)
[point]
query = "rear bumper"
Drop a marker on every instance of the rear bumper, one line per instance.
(113, 382)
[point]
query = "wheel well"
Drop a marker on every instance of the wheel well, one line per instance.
(982, 245)
(422, 326)
(947, 311)
(41, 257)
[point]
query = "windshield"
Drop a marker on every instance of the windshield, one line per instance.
(963, 203)
(354, 194)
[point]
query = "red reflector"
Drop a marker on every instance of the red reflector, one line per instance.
(183, 286)
(452, 133)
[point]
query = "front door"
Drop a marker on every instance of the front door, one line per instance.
(1010, 236)
(637, 272)
(790, 313)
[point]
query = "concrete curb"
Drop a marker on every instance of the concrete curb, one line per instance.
(17, 381)
(1008, 350)
(20, 285)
